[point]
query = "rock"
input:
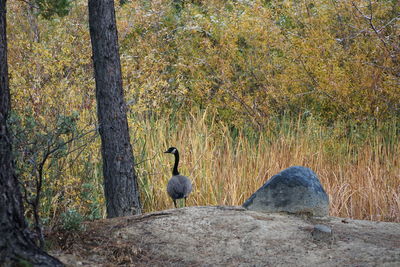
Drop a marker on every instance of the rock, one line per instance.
(295, 190)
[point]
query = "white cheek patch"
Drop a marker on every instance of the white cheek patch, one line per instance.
(173, 151)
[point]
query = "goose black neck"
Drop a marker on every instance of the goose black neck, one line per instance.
(175, 170)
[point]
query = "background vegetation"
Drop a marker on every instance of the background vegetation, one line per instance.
(243, 88)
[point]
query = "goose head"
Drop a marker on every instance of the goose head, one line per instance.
(172, 150)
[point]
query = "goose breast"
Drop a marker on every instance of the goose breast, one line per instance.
(179, 186)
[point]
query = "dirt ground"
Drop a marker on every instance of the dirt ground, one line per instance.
(228, 236)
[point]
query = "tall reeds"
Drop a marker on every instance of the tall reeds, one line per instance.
(358, 166)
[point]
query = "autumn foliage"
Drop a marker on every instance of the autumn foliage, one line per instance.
(243, 88)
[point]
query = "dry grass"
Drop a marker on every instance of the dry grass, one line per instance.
(361, 178)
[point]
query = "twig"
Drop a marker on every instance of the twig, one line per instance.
(140, 162)
(29, 3)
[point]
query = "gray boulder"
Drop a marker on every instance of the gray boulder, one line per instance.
(295, 190)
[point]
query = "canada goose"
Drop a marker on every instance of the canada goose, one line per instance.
(179, 186)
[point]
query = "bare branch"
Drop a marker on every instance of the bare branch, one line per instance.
(370, 19)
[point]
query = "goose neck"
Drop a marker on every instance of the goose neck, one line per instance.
(175, 170)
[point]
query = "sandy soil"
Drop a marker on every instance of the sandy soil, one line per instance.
(228, 236)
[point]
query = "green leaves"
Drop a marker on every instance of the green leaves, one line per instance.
(51, 8)
(67, 124)
(72, 220)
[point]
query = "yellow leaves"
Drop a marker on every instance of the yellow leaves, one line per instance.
(245, 59)
(47, 72)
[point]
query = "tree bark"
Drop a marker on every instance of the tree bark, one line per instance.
(120, 181)
(16, 246)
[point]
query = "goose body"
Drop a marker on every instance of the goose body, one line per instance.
(178, 186)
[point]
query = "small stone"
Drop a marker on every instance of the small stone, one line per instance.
(322, 233)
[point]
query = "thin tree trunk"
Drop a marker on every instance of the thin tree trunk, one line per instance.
(120, 181)
(33, 22)
(16, 246)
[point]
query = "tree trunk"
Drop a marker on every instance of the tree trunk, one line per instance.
(120, 181)
(16, 246)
